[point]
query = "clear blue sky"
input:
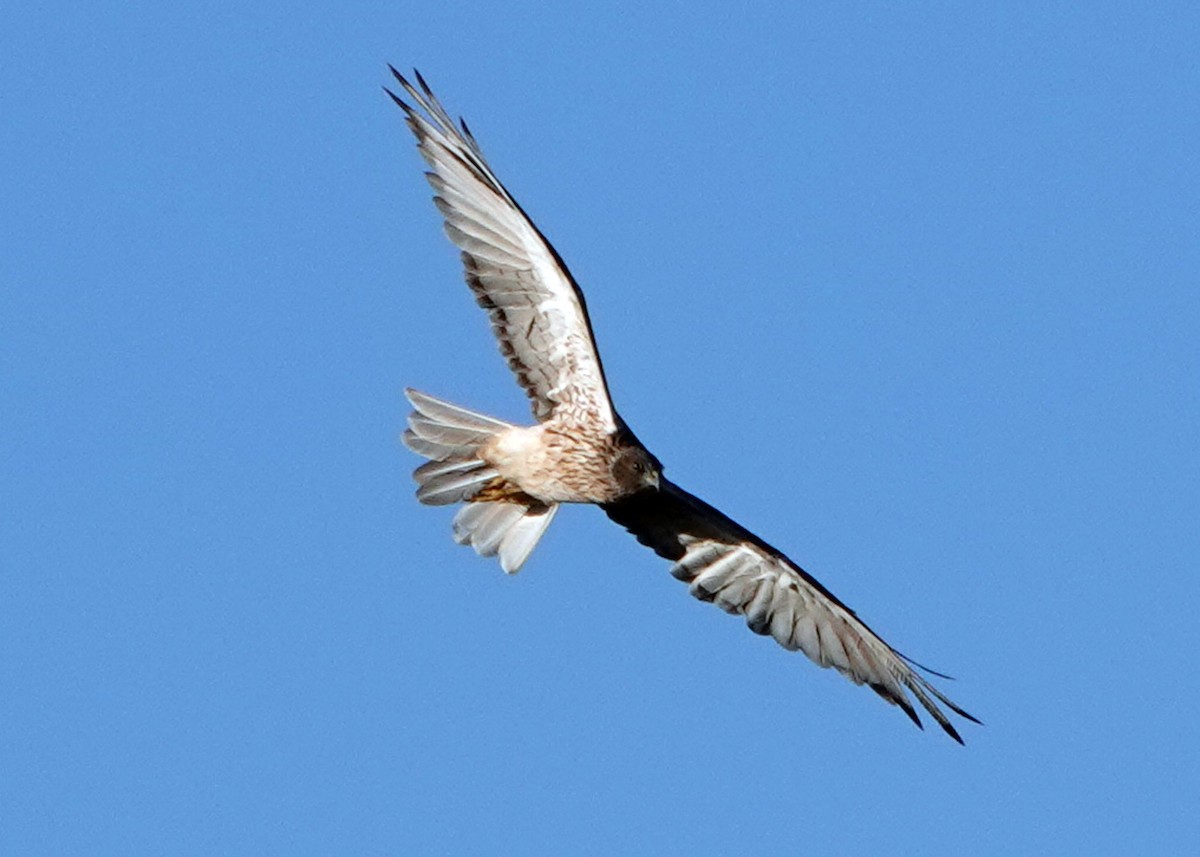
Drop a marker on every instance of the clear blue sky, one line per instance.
(912, 293)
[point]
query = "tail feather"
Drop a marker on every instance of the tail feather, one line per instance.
(511, 530)
(451, 436)
(441, 483)
(447, 414)
(446, 435)
(440, 430)
(421, 446)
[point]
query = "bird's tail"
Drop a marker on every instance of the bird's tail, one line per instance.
(506, 523)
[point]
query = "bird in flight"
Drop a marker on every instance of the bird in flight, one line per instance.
(511, 479)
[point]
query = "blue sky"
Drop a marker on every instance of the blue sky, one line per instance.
(912, 293)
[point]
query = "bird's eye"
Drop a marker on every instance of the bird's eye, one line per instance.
(638, 467)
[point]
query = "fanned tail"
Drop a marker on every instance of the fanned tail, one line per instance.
(501, 522)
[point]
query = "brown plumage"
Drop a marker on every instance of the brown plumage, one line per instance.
(512, 479)
(557, 462)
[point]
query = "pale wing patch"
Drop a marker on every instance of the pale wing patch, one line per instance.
(536, 310)
(742, 580)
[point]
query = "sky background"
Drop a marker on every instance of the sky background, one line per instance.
(910, 292)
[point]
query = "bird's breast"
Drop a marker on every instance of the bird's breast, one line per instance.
(555, 464)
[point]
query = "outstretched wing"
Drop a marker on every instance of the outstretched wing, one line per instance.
(536, 308)
(724, 563)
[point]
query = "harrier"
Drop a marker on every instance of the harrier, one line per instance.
(511, 479)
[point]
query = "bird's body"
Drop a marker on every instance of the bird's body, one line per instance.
(511, 479)
(557, 463)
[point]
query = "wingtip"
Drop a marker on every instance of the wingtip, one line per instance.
(908, 709)
(421, 82)
(945, 700)
(970, 717)
(924, 668)
(396, 74)
(946, 725)
(407, 87)
(953, 733)
(400, 102)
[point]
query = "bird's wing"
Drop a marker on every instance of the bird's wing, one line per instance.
(537, 310)
(724, 563)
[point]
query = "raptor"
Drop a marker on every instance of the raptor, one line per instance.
(510, 480)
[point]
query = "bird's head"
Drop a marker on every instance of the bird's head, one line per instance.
(635, 469)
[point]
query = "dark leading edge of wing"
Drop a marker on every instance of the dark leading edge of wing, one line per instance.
(726, 564)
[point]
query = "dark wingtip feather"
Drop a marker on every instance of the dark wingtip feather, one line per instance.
(399, 101)
(399, 77)
(953, 733)
(421, 82)
(466, 130)
(956, 709)
(962, 713)
(924, 668)
(908, 709)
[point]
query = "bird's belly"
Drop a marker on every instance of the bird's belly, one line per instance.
(551, 469)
